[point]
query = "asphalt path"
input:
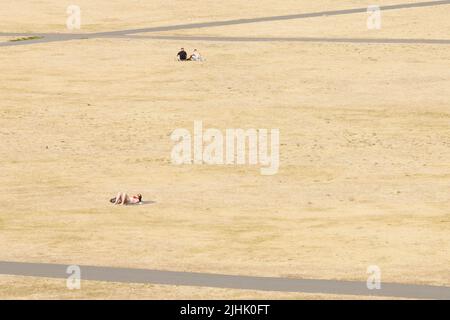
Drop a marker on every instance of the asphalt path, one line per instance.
(58, 37)
(144, 276)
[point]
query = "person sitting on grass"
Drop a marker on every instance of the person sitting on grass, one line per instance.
(182, 55)
(196, 56)
(124, 199)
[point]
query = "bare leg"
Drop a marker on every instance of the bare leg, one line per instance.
(125, 199)
(119, 198)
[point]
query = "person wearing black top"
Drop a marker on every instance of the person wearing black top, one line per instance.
(182, 55)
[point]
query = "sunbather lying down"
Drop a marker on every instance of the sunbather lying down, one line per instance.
(124, 199)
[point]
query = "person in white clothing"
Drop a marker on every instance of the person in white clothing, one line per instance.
(196, 56)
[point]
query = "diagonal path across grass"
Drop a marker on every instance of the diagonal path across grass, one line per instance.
(144, 276)
(56, 37)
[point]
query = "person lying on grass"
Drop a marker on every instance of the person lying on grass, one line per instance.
(124, 199)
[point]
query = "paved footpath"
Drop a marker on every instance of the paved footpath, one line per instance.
(58, 37)
(144, 276)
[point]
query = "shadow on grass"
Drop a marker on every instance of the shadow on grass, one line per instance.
(145, 202)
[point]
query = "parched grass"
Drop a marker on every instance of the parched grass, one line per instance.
(26, 39)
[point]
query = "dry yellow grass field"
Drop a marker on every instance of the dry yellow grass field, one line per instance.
(364, 131)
